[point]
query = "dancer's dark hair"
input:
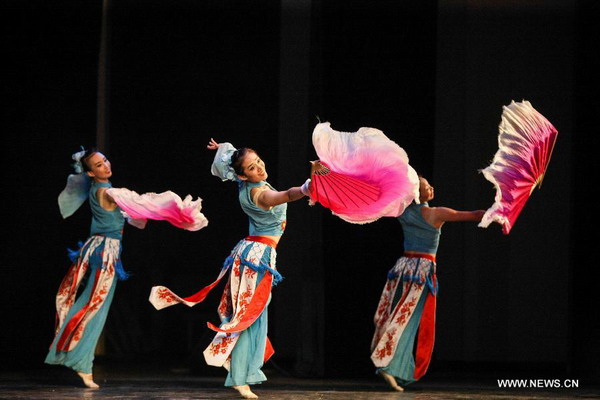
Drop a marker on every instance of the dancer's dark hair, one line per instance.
(84, 159)
(237, 159)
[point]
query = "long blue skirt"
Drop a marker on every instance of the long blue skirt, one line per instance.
(81, 358)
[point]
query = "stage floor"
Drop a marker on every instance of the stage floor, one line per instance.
(50, 382)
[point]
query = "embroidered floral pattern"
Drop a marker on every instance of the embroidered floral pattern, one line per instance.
(383, 307)
(224, 308)
(386, 349)
(406, 310)
(410, 276)
(67, 293)
(78, 333)
(65, 286)
(235, 300)
(244, 300)
(250, 273)
(166, 295)
(220, 347)
(98, 298)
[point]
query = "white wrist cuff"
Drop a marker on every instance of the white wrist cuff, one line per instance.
(305, 189)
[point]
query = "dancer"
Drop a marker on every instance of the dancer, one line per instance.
(97, 265)
(241, 344)
(406, 310)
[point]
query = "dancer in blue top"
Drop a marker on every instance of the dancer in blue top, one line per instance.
(241, 344)
(97, 265)
(266, 209)
(406, 310)
(80, 319)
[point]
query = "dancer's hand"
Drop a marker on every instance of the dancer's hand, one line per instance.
(478, 214)
(212, 145)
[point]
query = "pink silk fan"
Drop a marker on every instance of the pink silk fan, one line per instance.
(361, 176)
(525, 145)
(338, 191)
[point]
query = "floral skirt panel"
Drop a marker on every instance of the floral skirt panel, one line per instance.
(405, 314)
(241, 344)
(80, 319)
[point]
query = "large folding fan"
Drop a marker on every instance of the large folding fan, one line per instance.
(525, 145)
(361, 176)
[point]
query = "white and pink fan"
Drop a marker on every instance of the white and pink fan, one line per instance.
(525, 145)
(361, 176)
(165, 206)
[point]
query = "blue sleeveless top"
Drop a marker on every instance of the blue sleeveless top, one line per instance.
(419, 235)
(262, 222)
(105, 223)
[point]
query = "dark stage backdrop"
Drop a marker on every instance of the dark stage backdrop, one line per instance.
(503, 298)
(433, 77)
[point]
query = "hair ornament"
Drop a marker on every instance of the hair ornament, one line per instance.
(77, 165)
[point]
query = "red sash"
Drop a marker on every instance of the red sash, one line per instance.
(428, 256)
